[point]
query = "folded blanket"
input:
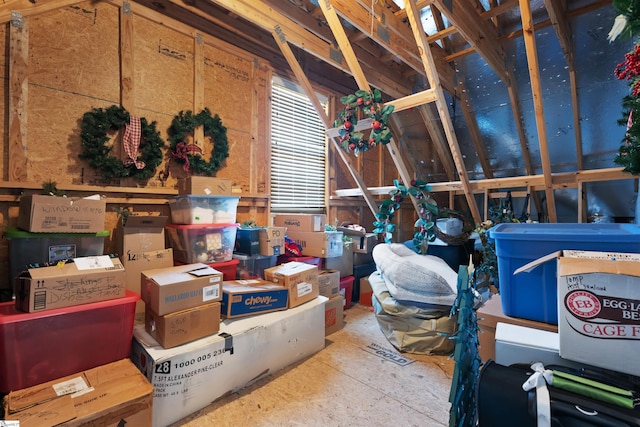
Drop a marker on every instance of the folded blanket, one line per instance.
(410, 276)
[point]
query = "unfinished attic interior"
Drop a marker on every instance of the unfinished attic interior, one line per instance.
(352, 157)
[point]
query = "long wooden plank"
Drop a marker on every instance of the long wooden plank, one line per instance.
(18, 94)
(443, 111)
(536, 89)
(127, 67)
(31, 7)
(560, 180)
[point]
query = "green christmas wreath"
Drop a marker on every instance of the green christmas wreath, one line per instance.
(94, 133)
(367, 104)
(190, 154)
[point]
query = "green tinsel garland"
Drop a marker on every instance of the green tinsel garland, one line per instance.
(185, 123)
(95, 128)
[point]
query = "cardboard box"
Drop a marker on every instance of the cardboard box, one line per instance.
(301, 222)
(249, 297)
(300, 278)
(51, 214)
(135, 263)
(362, 242)
(189, 377)
(329, 283)
(86, 279)
(271, 240)
(140, 233)
(183, 326)
(204, 186)
(110, 395)
(598, 307)
(366, 293)
(489, 315)
(177, 288)
(323, 244)
(333, 315)
(344, 263)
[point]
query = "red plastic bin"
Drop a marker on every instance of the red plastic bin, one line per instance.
(227, 268)
(346, 289)
(40, 347)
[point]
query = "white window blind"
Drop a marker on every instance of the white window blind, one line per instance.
(298, 152)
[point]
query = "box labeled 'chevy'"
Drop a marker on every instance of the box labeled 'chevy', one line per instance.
(300, 278)
(86, 279)
(598, 307)
(177, 288)
(248, 297)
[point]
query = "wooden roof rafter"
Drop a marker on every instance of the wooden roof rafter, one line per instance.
(443, 111)
(362, 16)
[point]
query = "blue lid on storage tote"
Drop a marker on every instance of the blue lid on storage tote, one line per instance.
(533, 295)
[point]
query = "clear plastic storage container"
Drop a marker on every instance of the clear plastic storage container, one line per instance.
(202, 243)
(203, 209)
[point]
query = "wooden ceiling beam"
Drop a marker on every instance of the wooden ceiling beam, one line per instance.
(265, 17)
(331, 16)
(477, 32)
(440, 103)
(536, 90)
(559, 180)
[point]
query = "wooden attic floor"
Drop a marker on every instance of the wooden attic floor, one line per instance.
(345, 384)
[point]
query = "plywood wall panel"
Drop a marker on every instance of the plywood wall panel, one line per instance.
(75, 50)
(163, 68)
(228, 87)
(54, 137)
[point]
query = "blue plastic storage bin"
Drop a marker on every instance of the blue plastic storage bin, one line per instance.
(534, 295)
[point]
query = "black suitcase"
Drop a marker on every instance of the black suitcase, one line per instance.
(501, 402)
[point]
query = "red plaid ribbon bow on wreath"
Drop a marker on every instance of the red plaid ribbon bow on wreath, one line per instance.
(131, 142)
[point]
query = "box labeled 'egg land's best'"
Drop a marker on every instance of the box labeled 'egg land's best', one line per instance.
(598, 307)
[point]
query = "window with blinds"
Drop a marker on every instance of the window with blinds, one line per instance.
(298, 151)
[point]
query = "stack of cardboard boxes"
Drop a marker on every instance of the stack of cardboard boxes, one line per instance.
(69, 329)
(309, 232)
(51, 229)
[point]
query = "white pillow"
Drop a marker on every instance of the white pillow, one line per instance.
(413, 277)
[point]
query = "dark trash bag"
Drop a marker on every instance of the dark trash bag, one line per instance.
(501, 402)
